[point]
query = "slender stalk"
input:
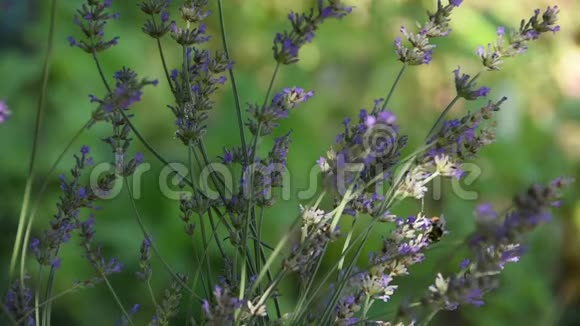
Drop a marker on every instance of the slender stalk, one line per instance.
(153, 247)
(270, 288)
(268, 272)
(252, 166)
(271, 85)
(392, 90)
(152, 294)
(198, 270)
(234, 83)
(335, 219)
(215, 233)
(275, 253)
(47, 294)
(38, 122)
(441, 117)
(101, 72)
(346, 244)
(152, 150)
(202, 225)
(266, 98)
(323, 282)
(429, 317)
(367, 305)
(258, 237)
(167, 76)
(449, 107)
(338, 291)
(306, 290)
(37, 297)
(116, 297)
(199, 262)
(162, 56)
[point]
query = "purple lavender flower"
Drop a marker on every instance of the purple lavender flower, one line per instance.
(287, 44)
(194, 11)
(228, 157)
(75, 197)
(346, 309)
(4, 112)
(128, 91)
(154, 7)
(279, 153)
(139, 158)
(466, 87)
(193, 90)
(420, 50)
(461, 139)
(93, 18)
(169, 306)
(296, 95)
(494, 244)
(221, 310)
(373, 145)
(500, 31)
(517, 42)
(485, 212)
(145, 256)
(189, 36)
(18, 302)
(267, 118)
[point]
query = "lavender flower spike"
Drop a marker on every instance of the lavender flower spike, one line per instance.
(287, 44)
(4, 112)
(92, 21)
(516, 42)
(465, 87)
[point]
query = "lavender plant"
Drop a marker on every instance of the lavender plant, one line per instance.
(366, 172)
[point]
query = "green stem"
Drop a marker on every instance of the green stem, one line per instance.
(340, 286)
(441, 117)
(101, 72)
(429, 317)
(346, 244)
(152, 294)
(153, 247)
(252, 157)
(259, 128)
(162, 56)
(392, 90)
(367, 305)
(234, 83)
(152, 150)
(37, 126)
(202, 224)
(48, 291)
(257, 232)
(116, 297)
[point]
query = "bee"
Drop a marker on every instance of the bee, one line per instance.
(437, 228)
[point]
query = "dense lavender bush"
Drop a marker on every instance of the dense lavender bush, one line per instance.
(366, 172)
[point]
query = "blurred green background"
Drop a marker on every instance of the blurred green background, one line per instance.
(350, 63)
